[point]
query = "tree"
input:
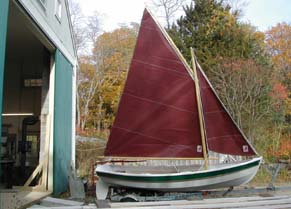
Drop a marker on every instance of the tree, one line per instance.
(80, 40)
(245, 87)
(110, 60)
(88, 83)
(93, 26)
(233, 55)
(278, 40)
(85, 30)
(78, 22)
(169, 7)
(214, 31)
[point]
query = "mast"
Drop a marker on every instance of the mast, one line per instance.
(199, 105)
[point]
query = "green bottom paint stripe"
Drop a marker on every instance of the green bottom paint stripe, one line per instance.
(180, 177)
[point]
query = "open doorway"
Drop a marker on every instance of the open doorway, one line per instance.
(25, 101)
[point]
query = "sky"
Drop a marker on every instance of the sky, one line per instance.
(262, 14)
(267, 13)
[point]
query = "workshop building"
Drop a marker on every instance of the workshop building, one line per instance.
(37, 94)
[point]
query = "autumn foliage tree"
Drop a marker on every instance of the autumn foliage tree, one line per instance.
(108, 63)
(278, 40)
(244, 87)
(103, 60)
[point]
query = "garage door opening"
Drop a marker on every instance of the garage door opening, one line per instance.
(25, 102)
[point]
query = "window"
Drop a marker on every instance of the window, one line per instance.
(32, 144)
(59, 10)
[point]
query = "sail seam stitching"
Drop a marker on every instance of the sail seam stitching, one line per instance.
(159, 103)
(142, 134)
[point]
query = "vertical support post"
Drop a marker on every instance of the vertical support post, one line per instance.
(51, 113)
(74, 92)
(199, 104)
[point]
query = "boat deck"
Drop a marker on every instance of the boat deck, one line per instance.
(154, 169)
(163, 169)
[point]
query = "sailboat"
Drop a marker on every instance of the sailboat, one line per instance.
(170, 111)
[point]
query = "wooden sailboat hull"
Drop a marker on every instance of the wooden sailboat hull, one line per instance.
(213, 178)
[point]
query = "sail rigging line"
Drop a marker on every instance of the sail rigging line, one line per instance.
(225, 109)
(200, 112)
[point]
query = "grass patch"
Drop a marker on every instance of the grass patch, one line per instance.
(264, 178)
(87, 153)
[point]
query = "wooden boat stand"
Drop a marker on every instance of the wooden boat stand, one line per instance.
(274, 170)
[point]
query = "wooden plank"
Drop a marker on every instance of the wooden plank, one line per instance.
(38, 188)
(7, 200)
(20, 199)
(25, 199)
(282, 206)
(193, 202)
(76, 186)
(36, 171)
(240, 199)
(37, 206)
(46, 154)
(133, 204)
(50, 201)
(245, 202)
(262, 203)
(51, 113)
(67, 207)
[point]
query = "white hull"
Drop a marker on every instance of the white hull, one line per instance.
(213, 178)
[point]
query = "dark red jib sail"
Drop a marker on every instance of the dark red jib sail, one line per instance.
(222, 134)
(157, 115)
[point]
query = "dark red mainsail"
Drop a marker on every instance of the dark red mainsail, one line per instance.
(157, 115)
(222, 134)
